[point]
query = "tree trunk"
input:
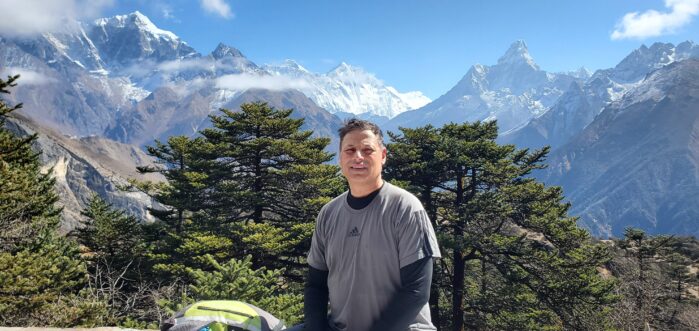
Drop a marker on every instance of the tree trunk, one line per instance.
(457, 310)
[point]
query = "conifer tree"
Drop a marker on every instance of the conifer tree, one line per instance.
(110, 234)
(514, 258)
(183, 194)
(27, 196)
(251, 184)
(643, 284)
(183, 232)
(272, 179)
(41, 273)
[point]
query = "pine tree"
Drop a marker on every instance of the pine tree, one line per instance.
(514, 258)
(271, 179)
(184, 193)
(655, 282)
(183, 232)
(27, 196)
(251, 184)
(41, 273)
(111, 236)
(42, 287)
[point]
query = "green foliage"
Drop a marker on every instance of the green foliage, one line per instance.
(237, 211)
(185, 191)
(41, 273)
(27, 197)
(252, 184)
(41, 287)
(513, 259)
(237, 280)
(111, 236)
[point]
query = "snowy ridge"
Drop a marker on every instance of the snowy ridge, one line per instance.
(142, 21)
(513, 92)
(349, 89)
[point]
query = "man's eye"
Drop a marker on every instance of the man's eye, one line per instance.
(368, 151)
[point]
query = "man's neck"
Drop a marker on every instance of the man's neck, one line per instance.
(359, 191)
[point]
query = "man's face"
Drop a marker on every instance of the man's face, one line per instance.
(362, 158)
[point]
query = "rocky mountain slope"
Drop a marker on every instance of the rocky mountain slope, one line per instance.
(637, 163)
(86, 166)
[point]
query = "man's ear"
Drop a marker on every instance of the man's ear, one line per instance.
(384, 152)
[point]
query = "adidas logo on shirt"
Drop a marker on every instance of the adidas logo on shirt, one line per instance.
(354, 232)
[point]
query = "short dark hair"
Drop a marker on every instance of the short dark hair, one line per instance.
(359, 124)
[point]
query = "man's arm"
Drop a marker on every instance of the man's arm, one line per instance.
(315, 300)
(413, 294)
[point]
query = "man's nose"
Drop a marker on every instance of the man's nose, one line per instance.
(358, 155)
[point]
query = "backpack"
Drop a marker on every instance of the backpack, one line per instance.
(222, 315)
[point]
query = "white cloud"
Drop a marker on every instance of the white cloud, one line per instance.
(183, 65)
(27, 77)
(653, 23)
(166, 11)
(247, 81)
(184, 89)
(30, 17)
(218, 7)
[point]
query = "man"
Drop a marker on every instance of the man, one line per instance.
(372, 249)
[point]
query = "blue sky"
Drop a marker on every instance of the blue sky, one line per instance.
(424, 45)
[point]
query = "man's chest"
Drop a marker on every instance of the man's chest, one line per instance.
(360, 241)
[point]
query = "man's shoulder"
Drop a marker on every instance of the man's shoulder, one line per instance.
(401, 197)
(334, 203)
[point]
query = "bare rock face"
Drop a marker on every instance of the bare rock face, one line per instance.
(87, 166)
(637, 163)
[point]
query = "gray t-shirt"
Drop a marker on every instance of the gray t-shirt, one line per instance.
(363, 251)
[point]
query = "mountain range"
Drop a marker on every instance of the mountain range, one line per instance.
(583, 101)
(637, 163)
(513, 91)
(624, 139)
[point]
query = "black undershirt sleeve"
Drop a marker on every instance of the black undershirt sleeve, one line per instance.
(315, 297)
(413, 294)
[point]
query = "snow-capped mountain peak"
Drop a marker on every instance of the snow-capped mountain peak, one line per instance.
(344, 69)
(518, 53)
(289, 68)
(350, 89)
(132, 40)
(223, 50)
(139, 20)
(581, 73)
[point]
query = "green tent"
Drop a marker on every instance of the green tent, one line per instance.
(222, 315)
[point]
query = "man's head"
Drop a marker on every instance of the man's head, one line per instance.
(362, 155)
(360, 125)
